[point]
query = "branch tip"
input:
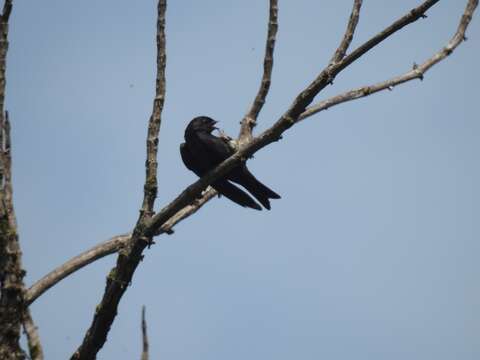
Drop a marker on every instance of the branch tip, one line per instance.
(349, 32)
(249, 120)
(7, 9)
(145, 354)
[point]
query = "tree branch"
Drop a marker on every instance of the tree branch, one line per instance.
(108, 247)
(185, 212)
(144, 336)
(417, 72)
(412, 16)
(348, 37)
(250, 119)
(129, 258)
(151, 188)
(11, 271)
(33, 339)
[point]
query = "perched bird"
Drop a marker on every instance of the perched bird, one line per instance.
(202, 151)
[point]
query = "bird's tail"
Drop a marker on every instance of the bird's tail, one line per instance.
(235, 194)
(260, 191)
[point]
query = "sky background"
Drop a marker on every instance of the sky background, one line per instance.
(372, 252)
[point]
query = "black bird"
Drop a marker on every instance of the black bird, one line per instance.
(203, 151)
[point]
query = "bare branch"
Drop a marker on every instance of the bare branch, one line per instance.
(358, 93)
(99, 251)
(151, 187)
(455, 41)
(144, 336)
(33, 339)
(250, 118)
(7, 171)
(117, 282)
(11, 272)
(188, 210)
(412, 16)
(7, 8)
(128, 259)
(417, 72)
(348, 37)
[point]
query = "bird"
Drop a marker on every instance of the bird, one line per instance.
(202, 151)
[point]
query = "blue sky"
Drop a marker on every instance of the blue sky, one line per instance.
(372, 252)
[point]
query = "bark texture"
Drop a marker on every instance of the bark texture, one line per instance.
(11, 272)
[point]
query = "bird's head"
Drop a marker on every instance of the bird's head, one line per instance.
(201, 123)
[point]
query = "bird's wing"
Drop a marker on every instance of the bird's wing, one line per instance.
(217, 149)
(188, 159)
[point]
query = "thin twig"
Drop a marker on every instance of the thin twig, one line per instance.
(417, 71)
(33, 339)
(348, 36)
(250, 119)
(128, 259)
(145, 355)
